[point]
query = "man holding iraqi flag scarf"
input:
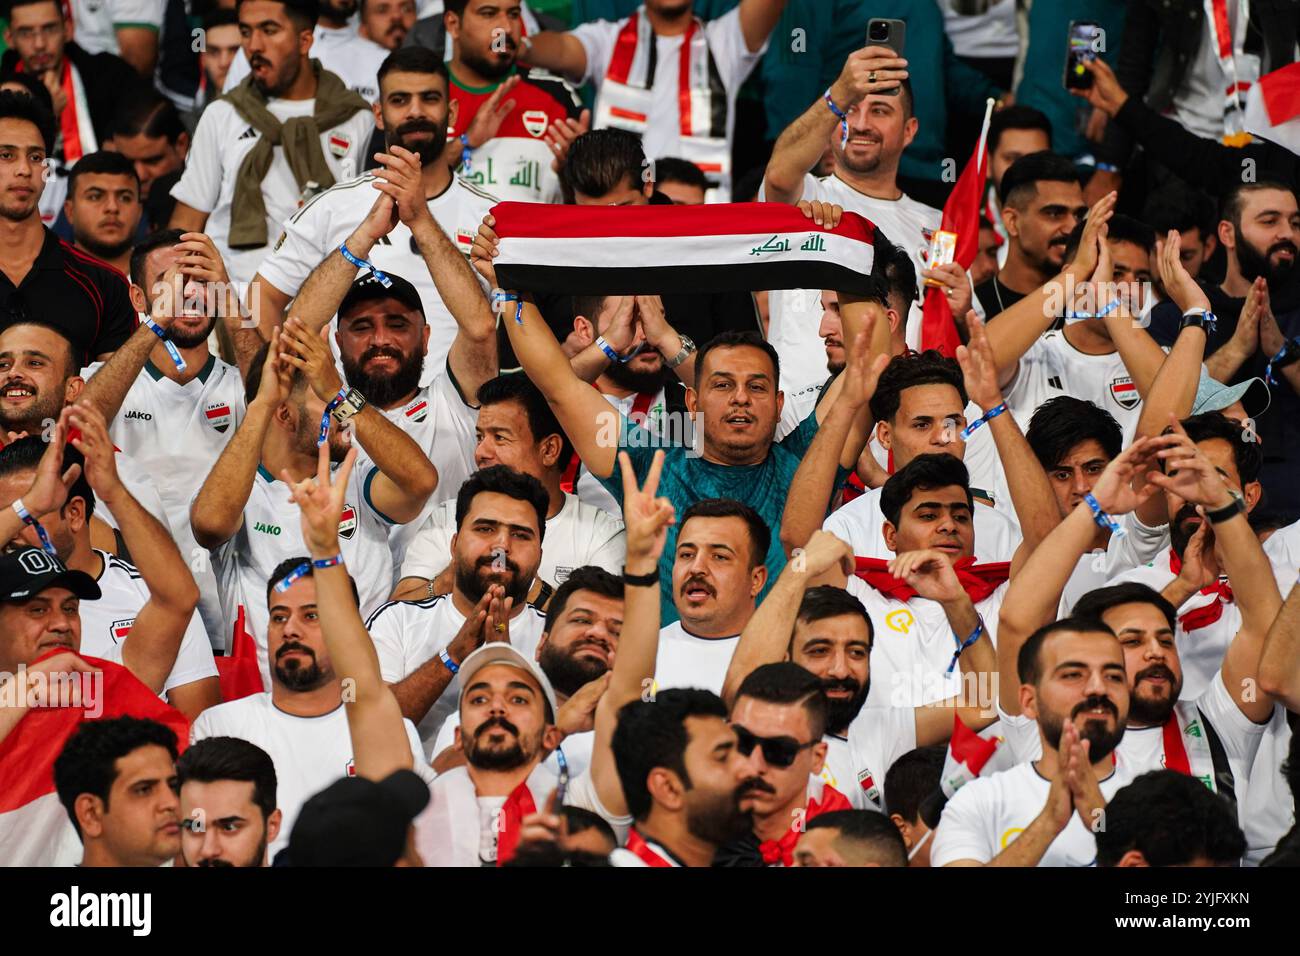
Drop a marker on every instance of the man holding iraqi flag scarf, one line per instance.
(726, 448)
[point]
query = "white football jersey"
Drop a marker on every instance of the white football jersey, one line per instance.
(222, 141)
(410, 633)
(685, 660)
(271, 532)
(326, 221)
(309, 753)
(105, 623)
(794, 314)
(877, 737)
(1053, 367)
(579, 534)
(861, 523)
(987, 814)
(165, 428)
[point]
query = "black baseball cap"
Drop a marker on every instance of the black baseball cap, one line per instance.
(27, 572)
(356, 822)
(368, 288)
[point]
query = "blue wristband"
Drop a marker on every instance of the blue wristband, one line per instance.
(329, 410)
(1288, 353)
(386, 282)
(500, 297)
(1106, 168)
(46, 545)
(168, 344)
(447, 661)
(321, 564)
(842, 115)
(298, 572)
(1103, 520)
(963, 644)
(988, 416)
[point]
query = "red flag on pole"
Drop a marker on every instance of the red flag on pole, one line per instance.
(961, 215)
(968, 753)
(239, 673)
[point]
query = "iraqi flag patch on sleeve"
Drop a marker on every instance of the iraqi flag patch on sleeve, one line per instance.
(218, 416)
(348, 521)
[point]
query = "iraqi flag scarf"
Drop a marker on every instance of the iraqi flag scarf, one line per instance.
(657, 249)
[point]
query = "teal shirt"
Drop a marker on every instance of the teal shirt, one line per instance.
(686, 480)
(1043, 87)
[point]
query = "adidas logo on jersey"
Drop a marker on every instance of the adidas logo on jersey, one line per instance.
(249, 133)
(348, 521)
(265, 528)
(138, 416)
(218, 415)
(120, 629)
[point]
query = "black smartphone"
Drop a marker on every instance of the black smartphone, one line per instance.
(1087, 41)
(890, 33)
(887, 33)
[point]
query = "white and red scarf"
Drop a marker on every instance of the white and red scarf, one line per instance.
(624, 98)
(76, 131)
(1207, 614)
(658, 249)
(1239, 68)
(447, 833)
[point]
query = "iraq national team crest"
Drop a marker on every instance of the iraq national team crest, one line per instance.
(417, 411)
(348, 521)
(218, 416)
(340, 144)
(535, 121)
(1125, 392)
(120, 629)
(868, 785)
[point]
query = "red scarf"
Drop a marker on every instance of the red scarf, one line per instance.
(637, 846)
(1175, 752)
(782, 850)
(979, 581)
(517, 806)
(1210, 613)
(72, 150)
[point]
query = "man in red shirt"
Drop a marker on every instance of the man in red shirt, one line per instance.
(513, 127)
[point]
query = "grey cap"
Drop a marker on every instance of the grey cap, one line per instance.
(1214, 396)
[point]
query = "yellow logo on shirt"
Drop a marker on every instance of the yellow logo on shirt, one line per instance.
(900, 621)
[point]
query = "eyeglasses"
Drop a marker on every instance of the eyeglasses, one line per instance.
(777, 751)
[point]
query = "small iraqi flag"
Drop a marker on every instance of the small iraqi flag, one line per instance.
(218, 416)
(417, 411)
(348, 521)
(121, 629)
(657, 249)
(1125, 392)
(1273, 107)
(339, 144)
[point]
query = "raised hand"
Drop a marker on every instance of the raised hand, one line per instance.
(497, 625)
(399, 178)
(470, 636)
(860, 375)
(872, 69)
(95, 446)
(824, 552)
(305, 350)
(487, 121)
(645, 516)
(825, 214)
(956, 287)
(379, 222)
(1105, 94)
(1085, 259)
(978, 368)
(1178, 282)
(320, 499)
(620, 327)
(486, 247)
(561, 134)
(1196, 572)
(578, 714)
(1189, 474)
(1123, 486)
(277, 375)
(930, 573)
(49, 490)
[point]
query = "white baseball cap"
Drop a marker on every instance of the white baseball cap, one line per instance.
(499, 652)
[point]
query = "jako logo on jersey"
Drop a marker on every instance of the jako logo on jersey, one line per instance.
(138, 415)
(340, 144)
(266, 528)
(1125, 392)
(120, 629)
(348, 521)
(417, 411)
(218, 416)
(535, 122)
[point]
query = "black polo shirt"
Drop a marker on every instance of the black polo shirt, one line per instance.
(86, 299)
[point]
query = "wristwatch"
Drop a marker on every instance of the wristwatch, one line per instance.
(688, 349)
(1200, 318)
(352, 403)
(1223, 514)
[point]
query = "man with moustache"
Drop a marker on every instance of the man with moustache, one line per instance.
(247, 171)
(414, 112)
(40, 275)
(827, 631)
(103, 208)
(227, 789)
(1210, 726)
(386, 22)
(296, 405)
(500, 523)
(1043, 813)
(300, 722)
(514, 126)
(164, 418)
(576, 650)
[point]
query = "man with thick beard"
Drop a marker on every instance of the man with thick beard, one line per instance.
(500, 522)
(301, 722)
(583, 621)
(1044, 813)
(175, 421)
(103, 207)
(228, 811)
(253, 160)
(414, 112)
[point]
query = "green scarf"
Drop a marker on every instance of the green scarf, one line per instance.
(300, 138)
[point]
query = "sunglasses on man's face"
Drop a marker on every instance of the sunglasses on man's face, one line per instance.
(777, 751)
